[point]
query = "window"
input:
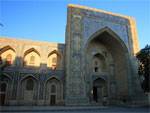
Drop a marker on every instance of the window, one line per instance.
(29, 84)
(32, 60)
(53, 89)
(96, 66)
(9, 59)
(54, 60)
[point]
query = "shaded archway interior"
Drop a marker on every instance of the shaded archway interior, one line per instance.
(115, 48)
(99, 89)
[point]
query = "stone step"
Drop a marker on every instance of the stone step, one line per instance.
(73, 109)
(48, 108)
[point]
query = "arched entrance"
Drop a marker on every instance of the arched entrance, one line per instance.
(53, 95)
(53, 91)
(109, 55)
(4, 89)
(29, 88)
(99, 90)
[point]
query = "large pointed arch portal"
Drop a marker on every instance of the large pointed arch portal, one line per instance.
(115, 52)
(112, 39)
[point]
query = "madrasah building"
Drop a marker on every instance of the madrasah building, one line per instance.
(97, 63)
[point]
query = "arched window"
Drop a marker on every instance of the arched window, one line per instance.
(3, 87)
(54, 60)
(32, 59)
(29, 84)
(53, 88)
(9, 59)
(96, 65)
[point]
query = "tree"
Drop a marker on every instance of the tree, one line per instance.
(144, 67)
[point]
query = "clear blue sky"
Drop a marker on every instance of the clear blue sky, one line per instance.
(45, 20)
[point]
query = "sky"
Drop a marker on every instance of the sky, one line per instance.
(45, 20)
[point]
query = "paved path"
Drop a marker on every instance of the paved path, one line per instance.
(87, 109)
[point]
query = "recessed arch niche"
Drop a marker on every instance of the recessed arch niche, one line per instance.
(53, 91)
(28, 88)
(32, 58)
(8, 54)
(115, 54)
(54, 60)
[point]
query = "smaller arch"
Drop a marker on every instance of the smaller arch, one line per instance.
(55, 52)
(100, 90)
(32, 58)
(53, 91)
(29, 76)
(100, 79)
(53, 77)
(31, 50)
(8, 54)
(54, 60)
(5, 75)
(2, 50)
(28, 89)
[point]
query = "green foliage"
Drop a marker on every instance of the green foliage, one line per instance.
(144, 67)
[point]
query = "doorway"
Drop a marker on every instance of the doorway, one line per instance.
(95, 94)
(99, 90)
(53, 100)
(3, 87)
